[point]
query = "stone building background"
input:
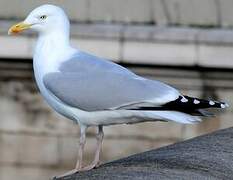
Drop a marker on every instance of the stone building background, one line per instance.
(186, 43)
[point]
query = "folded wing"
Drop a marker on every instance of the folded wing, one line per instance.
(94, 85)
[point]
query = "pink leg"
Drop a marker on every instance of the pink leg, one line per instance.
(82, 142)
(96, 161)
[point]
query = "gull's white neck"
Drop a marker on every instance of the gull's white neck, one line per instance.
(51, 50)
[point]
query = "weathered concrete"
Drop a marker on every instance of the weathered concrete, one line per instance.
(139, 44)
(217, 56)
(77, 10)
(205, 157)
(130, 11)
(225, 7)
(162, 12)
(159, 53)
(40, 150)
(192, 12)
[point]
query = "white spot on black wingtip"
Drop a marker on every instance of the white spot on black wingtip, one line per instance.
(223, 106)
(211, 103)
(196, 101)
(184, 100)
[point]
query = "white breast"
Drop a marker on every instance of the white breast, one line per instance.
(47, 58)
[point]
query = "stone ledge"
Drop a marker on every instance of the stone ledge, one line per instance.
(205, 157)
(142, 33)
(147, 44)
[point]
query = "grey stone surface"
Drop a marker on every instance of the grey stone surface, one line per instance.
(141, 33)
(159, 53)
(77, 10)
(225, 7)
(215, 36)
(208, 157)
(215, 56)
(121, 11)
(160, 34)
(192, 12)
(106, 31)
(40, 150)
(162, 12)
(139, 44)
(161, 15)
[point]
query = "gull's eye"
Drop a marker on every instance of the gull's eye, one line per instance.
(43, 17)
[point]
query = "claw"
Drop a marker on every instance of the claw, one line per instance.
(91, 166)
(74, 171)
(94, 164)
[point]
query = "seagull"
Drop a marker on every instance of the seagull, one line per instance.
(92, 91)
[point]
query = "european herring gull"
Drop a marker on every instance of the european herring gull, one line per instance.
(95, 92)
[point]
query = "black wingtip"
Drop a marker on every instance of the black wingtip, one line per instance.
(224, 105)
(190, 105)
(202, 104)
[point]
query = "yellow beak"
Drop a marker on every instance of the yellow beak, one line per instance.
(17, 28)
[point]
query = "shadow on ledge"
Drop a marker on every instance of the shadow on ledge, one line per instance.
(208, 157)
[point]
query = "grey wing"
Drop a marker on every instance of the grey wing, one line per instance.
(91, 83)
(105, 91)
(84, 63)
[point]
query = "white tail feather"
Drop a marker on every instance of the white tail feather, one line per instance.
(175, 116)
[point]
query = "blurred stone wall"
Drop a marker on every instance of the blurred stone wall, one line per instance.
(182, 42)
(208, 13)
